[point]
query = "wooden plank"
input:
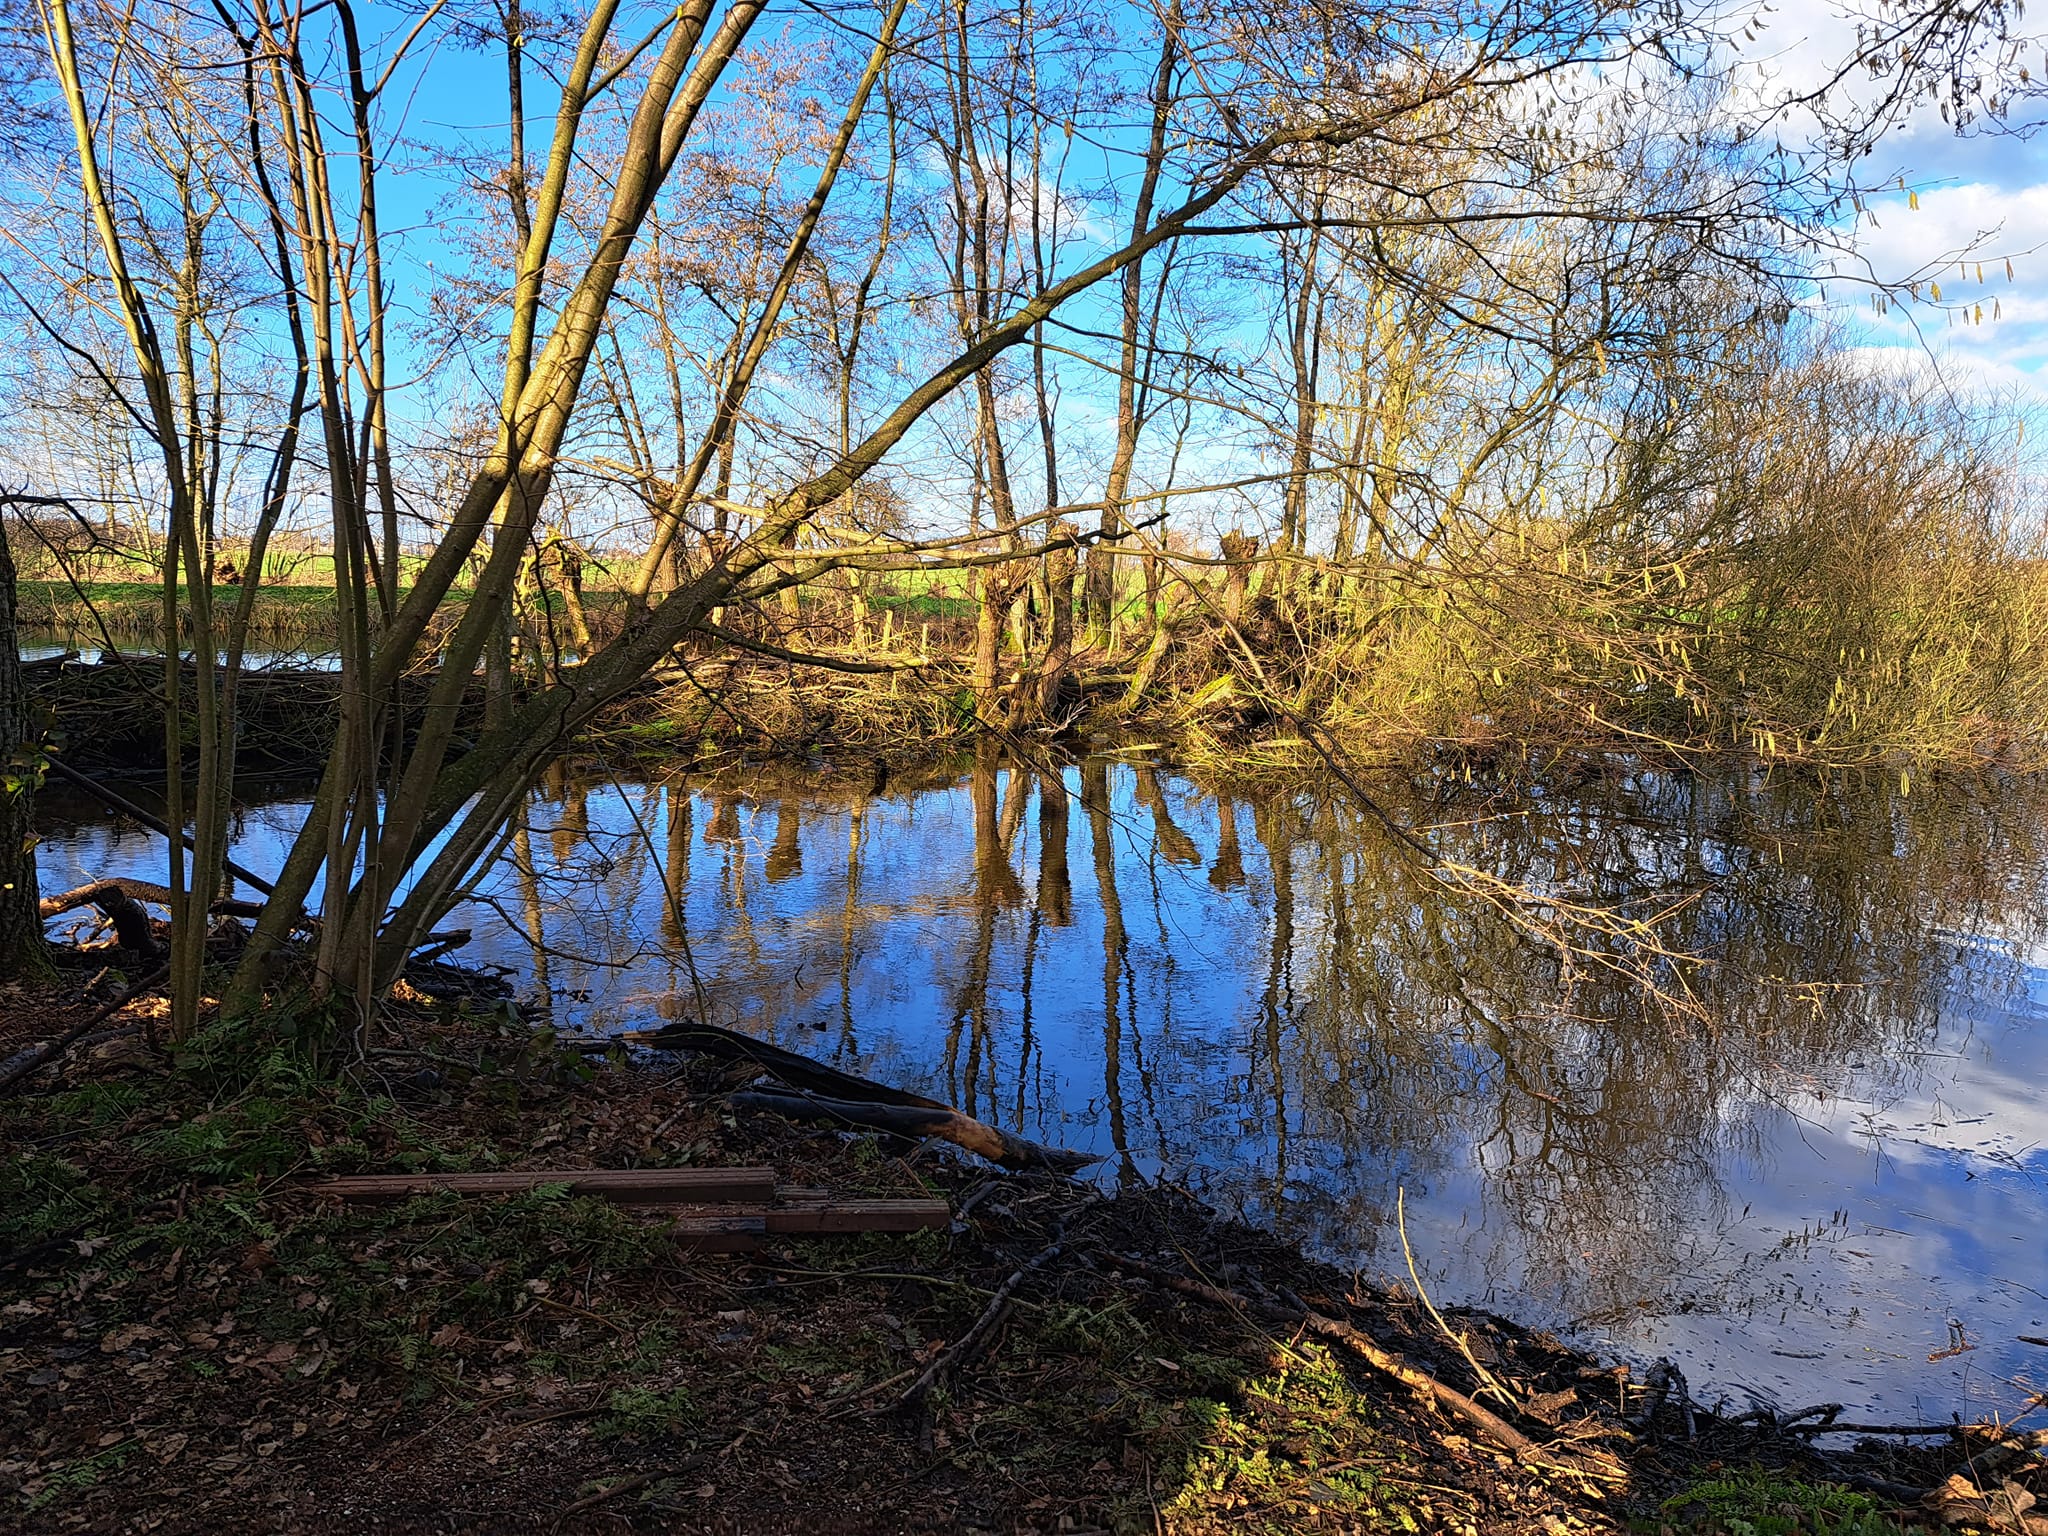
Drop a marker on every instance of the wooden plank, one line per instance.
(817, 1217)
(625, 1186)
(816, 1214)
(721, 1234)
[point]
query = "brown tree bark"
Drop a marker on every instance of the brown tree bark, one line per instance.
(998, 586)
(1304, 342)
(1239, 549)
(21, 923)
(1133, 380)
(1061, 566)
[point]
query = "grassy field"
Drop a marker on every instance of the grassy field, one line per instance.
(62, 597)
(133, 610)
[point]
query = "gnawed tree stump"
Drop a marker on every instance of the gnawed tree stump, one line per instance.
(1238, 550)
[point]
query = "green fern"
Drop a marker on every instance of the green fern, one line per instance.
(1761, 1503)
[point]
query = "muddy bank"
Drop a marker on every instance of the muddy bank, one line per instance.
(107, 717)
(192, 1341)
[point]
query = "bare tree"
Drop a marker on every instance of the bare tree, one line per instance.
(1243, 111)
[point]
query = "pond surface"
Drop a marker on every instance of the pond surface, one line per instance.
(1796, 1152)
(88, 647)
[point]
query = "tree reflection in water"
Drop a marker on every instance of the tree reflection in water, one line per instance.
(1266, 994)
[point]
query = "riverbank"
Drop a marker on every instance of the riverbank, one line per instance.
(106, 718)
(1274, 668)
(191, 1340)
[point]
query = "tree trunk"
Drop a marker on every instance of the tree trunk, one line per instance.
(570, 554)
(1133, 379)
(21, 925)
(1239, 549)
(1059, 567)
(997, 586)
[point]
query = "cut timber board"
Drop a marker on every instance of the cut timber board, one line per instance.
(626, 1186)
(819, 1214)
(738, 1231)
(720, 1234)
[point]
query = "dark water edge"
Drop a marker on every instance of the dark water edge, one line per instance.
(1789, 1167)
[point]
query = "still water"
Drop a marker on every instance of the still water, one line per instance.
(1795, 1151)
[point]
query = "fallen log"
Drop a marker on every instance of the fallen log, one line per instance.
(840, 1097)
(120, 903)
(919, 1121)
(797, 1071)
(624, 1186)
(140, 891)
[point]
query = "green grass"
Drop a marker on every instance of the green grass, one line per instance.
(63, 596)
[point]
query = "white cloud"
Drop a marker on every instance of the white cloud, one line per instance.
(1984, 251)
(1972, 373)
(1992, 224)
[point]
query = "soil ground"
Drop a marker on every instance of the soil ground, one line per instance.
(191, 1341)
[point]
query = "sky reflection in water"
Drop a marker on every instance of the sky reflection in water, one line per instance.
(1790, 1188)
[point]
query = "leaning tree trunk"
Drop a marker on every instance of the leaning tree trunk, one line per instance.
(21, 925)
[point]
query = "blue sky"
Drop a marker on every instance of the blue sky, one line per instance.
(1986, 192)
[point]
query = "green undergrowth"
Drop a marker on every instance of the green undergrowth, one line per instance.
(1293, 1446)
(1756, 1502)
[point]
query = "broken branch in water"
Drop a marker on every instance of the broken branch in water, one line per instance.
(1666, 1381)
(1464, 1346)
(1904, 1431)
(143, 890)
(435, 945)
(797, 1071)
(826, 1093)
(918, 1120)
